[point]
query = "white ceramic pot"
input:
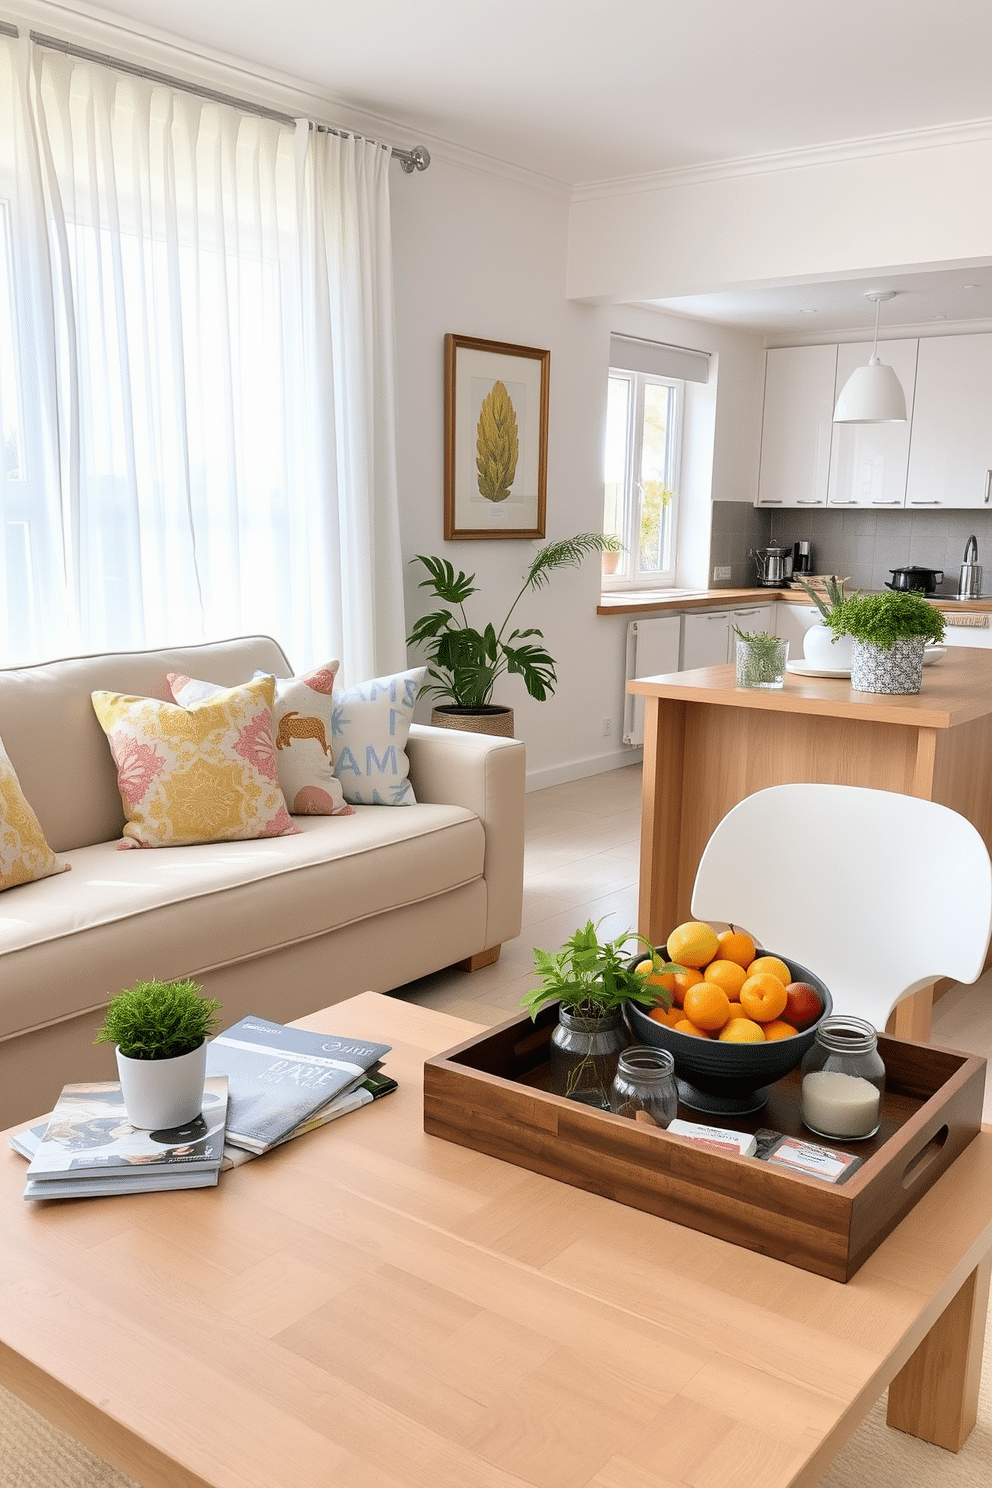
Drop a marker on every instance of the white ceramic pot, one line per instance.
(821, 649)
(162, 1093)
(899, 669)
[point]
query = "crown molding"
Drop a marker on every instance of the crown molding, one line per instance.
(89, 26)
(972, 131)
(924, 330)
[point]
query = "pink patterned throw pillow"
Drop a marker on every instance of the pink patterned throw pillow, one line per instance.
(302, 721)
(201, 774)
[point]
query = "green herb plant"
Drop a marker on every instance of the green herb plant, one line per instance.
(761, 663)
(464, 663)
(159, 1020)
(882, 619)
(592, 977)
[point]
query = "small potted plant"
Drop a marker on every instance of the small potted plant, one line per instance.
(464, 664)
(821, 646)
(759, 659)
(161, 1031)
(890, 632)
(591, 980)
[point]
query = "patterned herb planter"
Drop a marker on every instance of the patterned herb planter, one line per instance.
(900, 669)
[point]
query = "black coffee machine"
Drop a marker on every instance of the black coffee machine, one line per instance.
(802, 558)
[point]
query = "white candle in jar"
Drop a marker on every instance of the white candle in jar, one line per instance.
(839, 1105)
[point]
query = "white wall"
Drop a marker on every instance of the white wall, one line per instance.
(482, 254)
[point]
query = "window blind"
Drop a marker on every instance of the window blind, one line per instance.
(659, 359)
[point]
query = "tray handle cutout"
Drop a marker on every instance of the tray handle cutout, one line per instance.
(918, 1164)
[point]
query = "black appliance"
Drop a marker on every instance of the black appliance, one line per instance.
(915, 577)
(802, 557)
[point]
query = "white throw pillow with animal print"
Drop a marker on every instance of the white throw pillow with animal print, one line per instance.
(302, 730)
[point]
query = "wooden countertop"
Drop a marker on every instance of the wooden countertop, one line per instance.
(659, 602)
(956, 689)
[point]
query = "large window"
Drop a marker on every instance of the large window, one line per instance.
(643, 443)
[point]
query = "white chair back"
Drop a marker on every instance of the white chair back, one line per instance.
(878, 893)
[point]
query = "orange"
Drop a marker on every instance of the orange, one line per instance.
(693, 944)
(707, 1005)
(771, 964)
(736, 1011)
(726, 974)
(736, 945)
(763, 997)
(742, 1031)
(644, 968)
(686, 1027)
(671, 1016)
(681, 982)
(776, 1029)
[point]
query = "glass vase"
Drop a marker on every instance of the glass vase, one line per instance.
(584, 1053)
(761, 663)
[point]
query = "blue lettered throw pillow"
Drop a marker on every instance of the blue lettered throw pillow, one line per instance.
(370, 723)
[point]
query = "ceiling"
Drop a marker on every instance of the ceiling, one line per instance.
(588, 91)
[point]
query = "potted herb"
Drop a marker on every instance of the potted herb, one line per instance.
(465, 663)
(760, 659)
(161, 1031)
(591, 980)
(821, 647)
(890, 632)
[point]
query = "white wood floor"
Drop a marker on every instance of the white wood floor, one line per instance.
(581, 863)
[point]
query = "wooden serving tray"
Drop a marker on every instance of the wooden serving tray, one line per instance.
(490, 1093)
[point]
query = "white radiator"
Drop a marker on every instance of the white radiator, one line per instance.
(652, 648)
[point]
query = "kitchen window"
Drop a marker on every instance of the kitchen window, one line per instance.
(641, 475)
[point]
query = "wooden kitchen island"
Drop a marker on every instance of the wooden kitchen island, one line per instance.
(709, 743)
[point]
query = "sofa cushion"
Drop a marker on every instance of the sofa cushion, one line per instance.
(69, 944)
(24, 853)
(303, 727)
(201, 774)
(371, 724)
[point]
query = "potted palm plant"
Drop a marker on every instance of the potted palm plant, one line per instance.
(591, 980)
(465, 663)
(890, 632)
(161, 1031)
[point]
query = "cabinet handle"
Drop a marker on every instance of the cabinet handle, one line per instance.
(929, 503)
(842, 503)
(890, 503)
(769, 501)
(988, 486)
(809, 503)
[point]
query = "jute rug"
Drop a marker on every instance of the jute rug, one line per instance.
(36, 1455)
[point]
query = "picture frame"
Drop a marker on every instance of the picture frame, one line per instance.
(495, 439)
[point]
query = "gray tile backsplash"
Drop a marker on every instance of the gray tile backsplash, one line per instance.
(860, 545)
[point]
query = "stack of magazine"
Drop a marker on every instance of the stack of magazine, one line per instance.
(286, 1081)
(88, 1147)
(266, 1083)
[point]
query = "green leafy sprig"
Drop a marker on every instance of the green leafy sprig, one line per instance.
(882, 619)
(761, 664)
(159, 1020)
(591, 977)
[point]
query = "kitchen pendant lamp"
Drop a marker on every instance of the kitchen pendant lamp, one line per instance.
(872, 394)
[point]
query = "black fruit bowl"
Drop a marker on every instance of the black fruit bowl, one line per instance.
(728, 1078)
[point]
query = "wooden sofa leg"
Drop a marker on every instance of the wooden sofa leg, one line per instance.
(480, 959)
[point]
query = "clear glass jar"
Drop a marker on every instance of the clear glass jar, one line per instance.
(644, 1085)
(842, 1080)
(584, 1054)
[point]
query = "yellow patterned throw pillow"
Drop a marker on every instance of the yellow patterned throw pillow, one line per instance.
(201, 774)
(24, 853)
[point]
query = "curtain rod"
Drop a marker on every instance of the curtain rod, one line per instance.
(417, 158)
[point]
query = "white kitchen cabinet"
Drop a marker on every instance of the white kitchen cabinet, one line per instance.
(950, 451)
(707, 635)
(869, 462)
(792, 621)
(796, 425)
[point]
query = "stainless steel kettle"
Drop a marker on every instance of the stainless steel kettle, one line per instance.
(770, 564)
(970, 577)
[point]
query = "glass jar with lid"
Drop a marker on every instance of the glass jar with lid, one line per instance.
(644, 1085)
(842, 1080)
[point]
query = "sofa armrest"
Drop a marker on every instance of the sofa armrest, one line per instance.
(485, 775)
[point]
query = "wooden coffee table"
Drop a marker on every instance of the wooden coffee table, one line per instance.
(371, 1305)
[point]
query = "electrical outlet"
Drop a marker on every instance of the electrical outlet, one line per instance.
(607, 727)
(721, 573)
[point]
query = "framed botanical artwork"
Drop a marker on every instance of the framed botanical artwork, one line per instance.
(495, 438)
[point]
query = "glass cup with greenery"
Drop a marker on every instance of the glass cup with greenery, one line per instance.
(760, 659)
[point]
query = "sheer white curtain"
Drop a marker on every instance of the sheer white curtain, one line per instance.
(196, 374)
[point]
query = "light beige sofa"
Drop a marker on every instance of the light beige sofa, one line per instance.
(277, 927)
